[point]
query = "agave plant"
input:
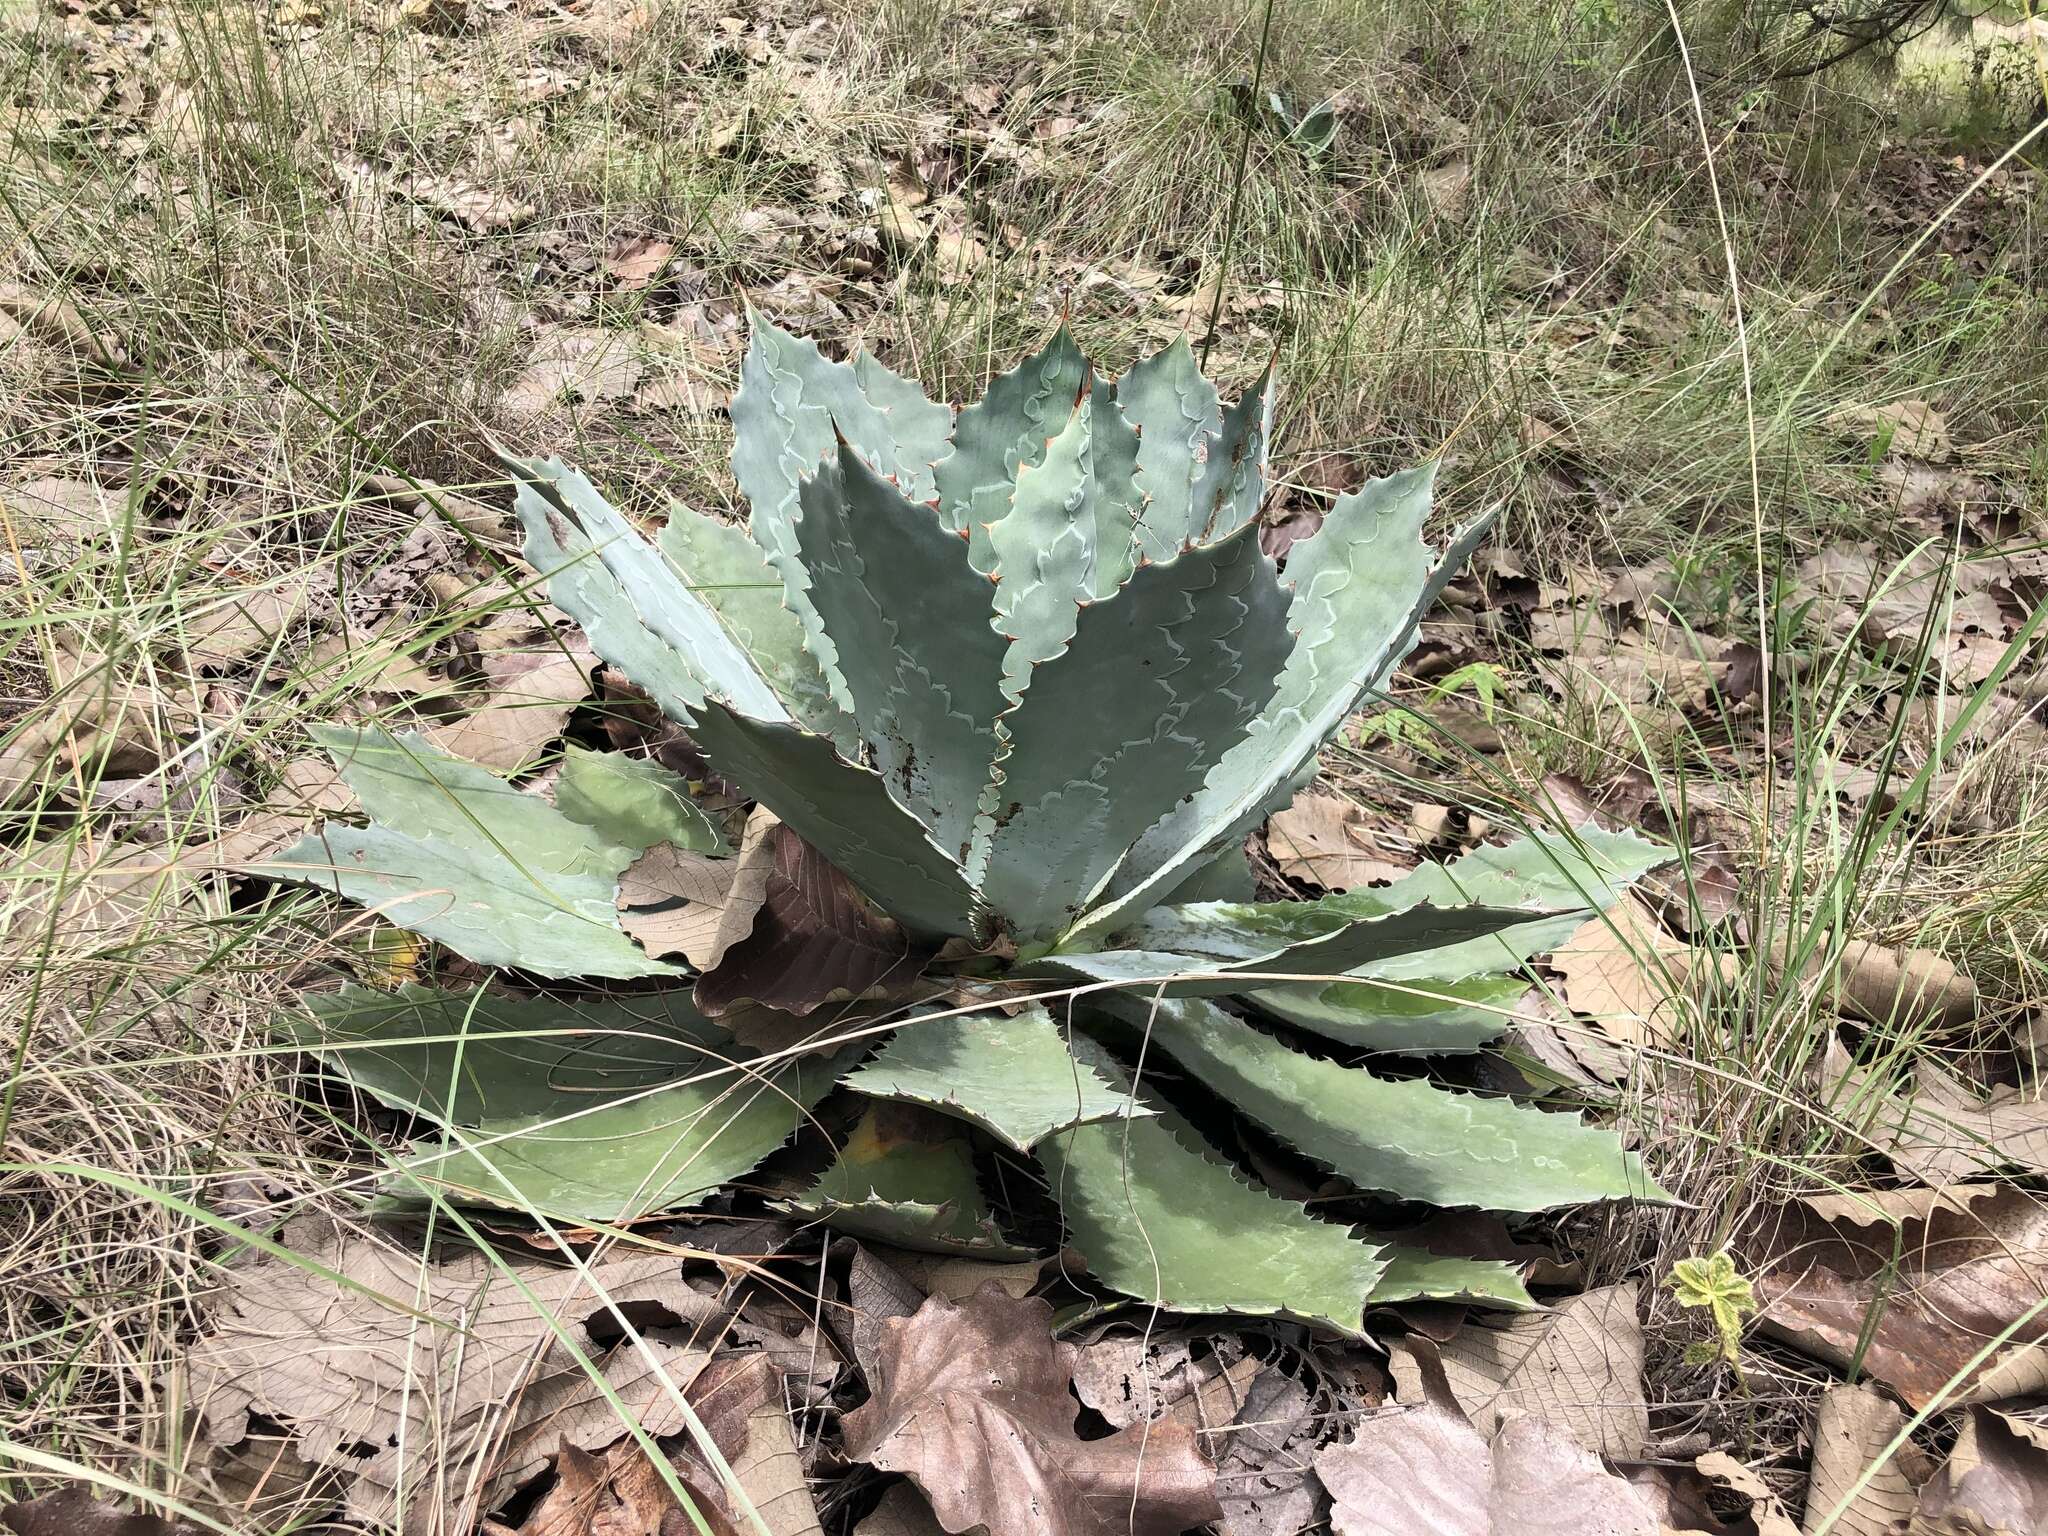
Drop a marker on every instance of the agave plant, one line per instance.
(1017, 683)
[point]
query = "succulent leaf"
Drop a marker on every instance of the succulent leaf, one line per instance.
(1416, 1274)
(793, 406)
(842, 808)
(846, 812)
(919, 659)
(634, 803)
(664, 601)
(591, 1111)
(1176, 414)
(1045, 553)
(726, 568)
(580, 584)
(1423, 1016)
(458, 855)
(1411, 1139)
(1361, 584)
(1233, 477)
(1006, 431)
(1309, 936)
(915, 1193)
(1158, 1216)
(1012, 1076)
(1126, 721)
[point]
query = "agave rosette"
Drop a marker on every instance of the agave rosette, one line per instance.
(1024, 676)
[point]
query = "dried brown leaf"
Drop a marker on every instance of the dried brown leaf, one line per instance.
(528, 696)
(971, 1401)
(903, 1512)
(814, 940)
(72, 1511)
(1917, 430)
(240, 624)
(1624, 972)
(590, 365)
(482, 1392)
(1851, 1429)
(1954, 1267)
(638, 261)
(1321, 840)
(674, 900)
(1427, 1469)
(1938, 1130)
(741, 1401)
(1995, 1482)
(1577, 1367)
(53, 510)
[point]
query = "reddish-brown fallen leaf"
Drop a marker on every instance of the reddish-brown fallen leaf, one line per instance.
(815, 940)
(1954, 1268)
(972, 1402)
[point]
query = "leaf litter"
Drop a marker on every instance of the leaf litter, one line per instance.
(1616, 650)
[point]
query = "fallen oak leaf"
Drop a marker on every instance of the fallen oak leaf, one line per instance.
(1852, 1429)
(1320, 840)
(1427, 1468)
(1578, 1367)
(1954, 1268)
(1625, 973)
(1995, 1480)
(972, 1402)
(814, 940)
(529, 695)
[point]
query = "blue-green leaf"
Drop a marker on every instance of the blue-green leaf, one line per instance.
(910, 620)
(1409, 1138)
(1127, 721)
(458, 855)
(1176, 413)
(603, 1110)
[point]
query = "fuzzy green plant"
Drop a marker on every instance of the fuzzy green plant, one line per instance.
(1015, 684)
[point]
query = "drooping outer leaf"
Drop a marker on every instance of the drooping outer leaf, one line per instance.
(902, 1180)
(727, 569)
(793, 403)
(458, 855)
(1221, 944)
(1160, 1220)
(647, 1107)
(973, 1402)
(1361, 585)
(1176, 413)
(1417, 1017)
(1128, 720)
(920, 660)
(1004, 431)
(1012, 1076)
(1411, 1139)
(634, 803)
